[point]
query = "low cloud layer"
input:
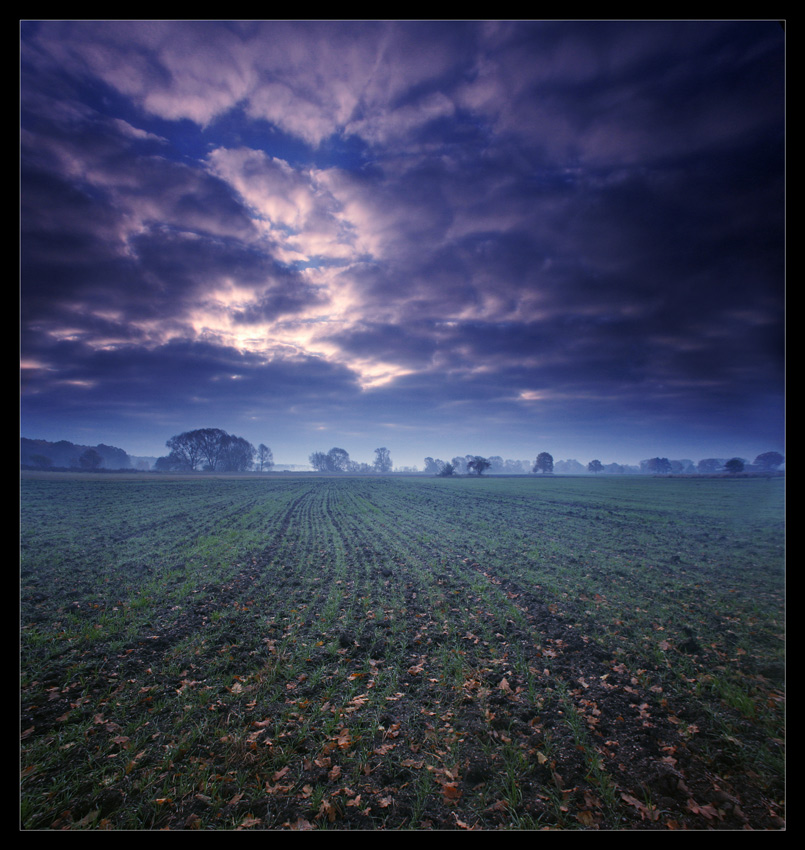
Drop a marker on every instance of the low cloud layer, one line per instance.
(361, 228)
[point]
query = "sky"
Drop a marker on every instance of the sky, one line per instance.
(439, 237)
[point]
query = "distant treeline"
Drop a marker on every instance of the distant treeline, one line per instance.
(211, 449)
(764, 464)
(42, 454)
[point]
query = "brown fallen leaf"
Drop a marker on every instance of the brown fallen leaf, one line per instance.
(710, 812)
(586, 818)
(451, 791)
(328, 810)
(646, 812)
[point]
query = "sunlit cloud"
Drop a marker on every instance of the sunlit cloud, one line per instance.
(380, 222)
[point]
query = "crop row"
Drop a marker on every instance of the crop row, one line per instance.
(373, 652)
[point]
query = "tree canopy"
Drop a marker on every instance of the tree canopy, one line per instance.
(90, 459)
(543, 463)
(658, 465)
(336, 460)
(769, 461)
(478, 464)
(237, 454)
(382, 460)
(734, 465)
(209, 448)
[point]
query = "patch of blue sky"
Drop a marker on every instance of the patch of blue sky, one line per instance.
(234, 129)
(317, 262)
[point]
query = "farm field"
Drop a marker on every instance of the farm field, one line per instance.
(313, 652)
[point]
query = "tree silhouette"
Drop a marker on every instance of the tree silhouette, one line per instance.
(209, 446)
(382, 460)
(336, 460)
(658, 465)
(236, 455)
(265, 457)
(734, 465)
(90, 459)
(478, 464)
(543, 463)
(769, 461)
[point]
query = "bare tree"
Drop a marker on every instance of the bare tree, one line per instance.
(336, 460)
(318, 460)
(265, 457)
(383, 460)
(209, 446)
(212, 442)
(185, 448)
(236, 454)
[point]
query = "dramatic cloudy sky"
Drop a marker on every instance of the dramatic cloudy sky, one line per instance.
(440, 237)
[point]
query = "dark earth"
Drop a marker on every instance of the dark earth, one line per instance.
(662, 772)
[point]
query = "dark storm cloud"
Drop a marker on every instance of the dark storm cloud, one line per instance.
(408, 346)
(567, 220)
(180, 376)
